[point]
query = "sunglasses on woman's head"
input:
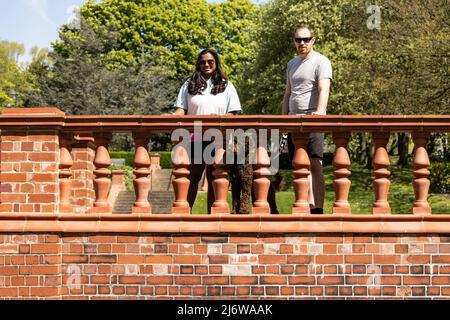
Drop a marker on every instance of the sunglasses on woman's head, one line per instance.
(204, 62)
(305, 40)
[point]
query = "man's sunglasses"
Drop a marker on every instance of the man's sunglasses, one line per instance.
(305, 40)
(204, 62)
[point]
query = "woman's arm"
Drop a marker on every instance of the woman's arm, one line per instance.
(179, 112)
(181, 104)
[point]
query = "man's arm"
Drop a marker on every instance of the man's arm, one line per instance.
(287, 94)
(324, 93)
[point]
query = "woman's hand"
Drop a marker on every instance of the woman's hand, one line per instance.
(178, 112)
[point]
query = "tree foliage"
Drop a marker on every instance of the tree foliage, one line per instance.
(129, 57)
(406, 66)
(114, 57)
(265, 81)
(12, 79)
(173, 31)
(86, 83)
(402, 67)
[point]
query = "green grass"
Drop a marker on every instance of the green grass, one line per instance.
(361, 197)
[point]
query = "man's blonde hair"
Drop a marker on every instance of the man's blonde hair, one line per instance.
(305, 26)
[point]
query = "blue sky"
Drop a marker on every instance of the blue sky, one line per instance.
(36, 22)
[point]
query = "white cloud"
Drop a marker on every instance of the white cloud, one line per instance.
(72, 10)
(41, 8)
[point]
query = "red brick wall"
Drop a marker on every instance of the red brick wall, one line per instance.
(29, 171)
(149, 266)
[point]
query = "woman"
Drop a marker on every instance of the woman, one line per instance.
(207, 92)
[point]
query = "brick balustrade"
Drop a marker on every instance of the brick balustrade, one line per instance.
(53, 163)
(59, 238)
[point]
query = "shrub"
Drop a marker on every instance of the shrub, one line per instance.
(128, 156)
(440, 177)
(166, 157)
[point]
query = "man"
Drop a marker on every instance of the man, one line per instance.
(307, 90)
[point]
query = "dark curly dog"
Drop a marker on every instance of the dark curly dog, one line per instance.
(241, 178)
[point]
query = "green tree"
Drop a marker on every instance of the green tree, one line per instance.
(232, 27)
(130, 56)
(264, 84)
(36, 70)
(406, 65)
(172, 31)
(86, 83)
(399, 67)
(12, 80)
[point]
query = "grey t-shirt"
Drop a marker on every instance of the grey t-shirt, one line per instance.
(303, 76)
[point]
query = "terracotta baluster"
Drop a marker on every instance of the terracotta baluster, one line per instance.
(220, 183)
(301, 173)
(65, 173)
(181, 162)
(261, 182)
(141, 171)
(421, 184)
(381, 171)
(101, 181)
(341, 183)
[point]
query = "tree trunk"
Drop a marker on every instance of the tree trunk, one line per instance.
(362, 149)
(370, 151)
(432, 145)
(393, 146)
(446, 147)
(403, 140)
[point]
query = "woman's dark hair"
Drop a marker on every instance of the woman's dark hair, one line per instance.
(197, 83)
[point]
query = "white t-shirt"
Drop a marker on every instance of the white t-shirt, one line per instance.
(206, 103)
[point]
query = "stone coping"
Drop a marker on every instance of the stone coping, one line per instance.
(52, 118)
(176, 223)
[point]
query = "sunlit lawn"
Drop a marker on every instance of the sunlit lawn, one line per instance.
(361, 198)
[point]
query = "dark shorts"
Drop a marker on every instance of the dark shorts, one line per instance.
(315, 146)
(197, 157)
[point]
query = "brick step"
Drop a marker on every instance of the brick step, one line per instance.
(151, 198)
(162, 180)
(161, 201)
